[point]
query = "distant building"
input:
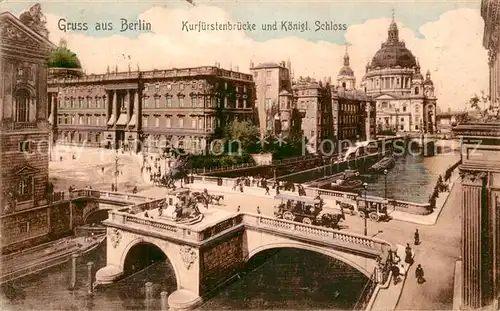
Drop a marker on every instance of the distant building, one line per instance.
(405, 100)
(27, 217)
(312, 99)
(149, 110)
(332, 114)
(271, 79)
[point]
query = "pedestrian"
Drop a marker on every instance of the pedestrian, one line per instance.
(241, 187)
(113, 187)
(258, 210)
(417, 237)
(277, 189)
(408, 254)
(102, 169)
(419, 274)
(238, 210)
(267, 190)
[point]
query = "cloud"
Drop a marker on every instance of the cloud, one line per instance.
(451, 48)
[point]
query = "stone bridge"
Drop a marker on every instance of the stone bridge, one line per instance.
(206, 255)
(91, 201)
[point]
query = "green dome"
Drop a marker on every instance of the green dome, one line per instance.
(63, 58)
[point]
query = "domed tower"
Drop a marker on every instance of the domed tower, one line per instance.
(417, 81)
(346, 78)
(428, 85)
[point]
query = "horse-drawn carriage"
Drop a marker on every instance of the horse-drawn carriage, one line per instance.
(374, 208)
(305, 210)
(206, 198)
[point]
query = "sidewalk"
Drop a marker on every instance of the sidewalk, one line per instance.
(430, 219)
(388, 295)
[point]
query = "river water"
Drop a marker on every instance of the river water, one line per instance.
(289, 279)
(412, 178)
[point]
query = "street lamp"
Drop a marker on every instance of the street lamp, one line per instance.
(365, 187)
(385, 183)
(116, 170)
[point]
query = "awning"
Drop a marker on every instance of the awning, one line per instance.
(307, 200)
(122, 120)
(111, 121)
(51, 119)
(133, 120)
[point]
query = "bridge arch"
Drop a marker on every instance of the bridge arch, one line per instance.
(140, 241)
(96, 215)
(316, 249)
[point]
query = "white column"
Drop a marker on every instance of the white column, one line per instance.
(114, 105)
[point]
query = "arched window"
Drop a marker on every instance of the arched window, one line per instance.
(22, 100)
(416, 91)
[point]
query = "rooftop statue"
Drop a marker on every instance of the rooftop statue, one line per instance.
(34, 19)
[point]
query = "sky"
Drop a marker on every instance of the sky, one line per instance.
(445, 36)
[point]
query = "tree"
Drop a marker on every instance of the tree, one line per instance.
(63, 58)
(244, 135)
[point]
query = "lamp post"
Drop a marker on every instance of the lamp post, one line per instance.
(385, 183)
(397, 121)
(365, 187)
(116, 170)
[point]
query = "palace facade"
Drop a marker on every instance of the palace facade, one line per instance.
(405, 100)
(148, 110)
(26, 217)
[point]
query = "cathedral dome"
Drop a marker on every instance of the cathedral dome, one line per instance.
(393, 52)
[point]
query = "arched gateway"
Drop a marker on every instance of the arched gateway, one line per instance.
(206, 254)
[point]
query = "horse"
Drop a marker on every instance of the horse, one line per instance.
(217, 198)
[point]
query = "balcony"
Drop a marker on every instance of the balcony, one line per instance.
(19, 126)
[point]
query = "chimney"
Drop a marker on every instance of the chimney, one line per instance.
(237, 68)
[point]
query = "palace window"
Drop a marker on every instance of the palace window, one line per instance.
(22, 99)
(193, 101)
(225, 102)
(157, 122)
(169, 86)
(25, 188)
(181, 122)
(169, 122)
(98, 102)
(145, 121)
(404, 108)
(200, 101)
(225, 85)
(200, 122)
(157, 101)
(80, 120)
(193, 122)
(181, 86)
(24, 227)
(181, 101)
(193, 85)
(268, 74)
(97, 120)
(80, 103)
(169, 101)
(416, 91)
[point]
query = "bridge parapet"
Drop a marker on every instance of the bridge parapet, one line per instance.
(202, 233)
(117, 196)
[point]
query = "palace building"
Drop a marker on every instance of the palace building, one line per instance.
(148, 110)
(405, 100)
(27, 216)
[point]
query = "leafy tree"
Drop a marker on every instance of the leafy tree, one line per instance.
(63, 58)
(244, 135)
